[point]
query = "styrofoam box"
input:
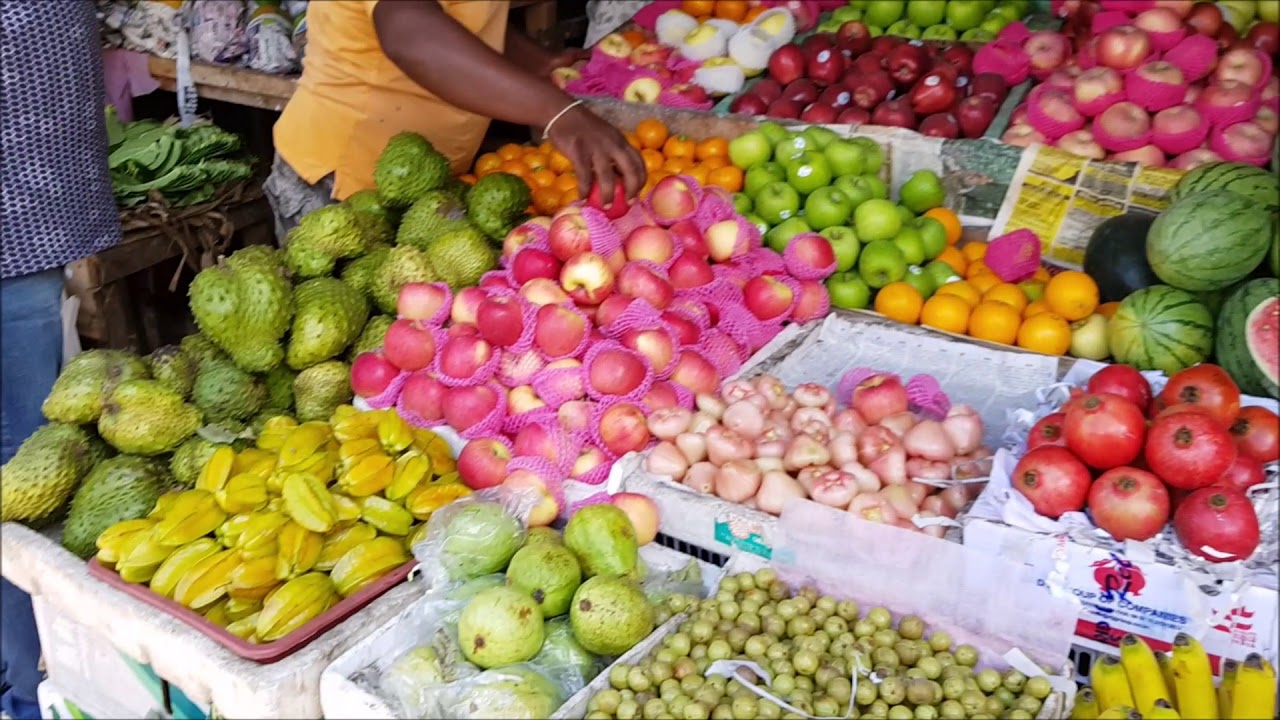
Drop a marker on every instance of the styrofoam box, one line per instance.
(1153, 600)
(342, 697)
(57, 704)
(1057, 705)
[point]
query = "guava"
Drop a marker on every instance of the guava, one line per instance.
(500, 626)
(409, 677)
(511, 693)
(474, 586)
(562, 654)
(603, 539)
(479, 539)
(548, 573)
(543, 535)
(610, 614)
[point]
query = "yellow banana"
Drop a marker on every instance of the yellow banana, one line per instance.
(1225, 687)
(1120, 712)
(1140, 666)
(1110, 684)
(1193, 679)
(1253, 697)
(1086, 706)
(1162, 710)
(1166, 671)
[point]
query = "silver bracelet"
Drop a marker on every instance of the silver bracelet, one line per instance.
(546, 131)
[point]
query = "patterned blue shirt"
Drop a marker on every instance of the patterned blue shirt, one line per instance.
(56, 204)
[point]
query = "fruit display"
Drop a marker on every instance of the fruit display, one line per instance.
(823, 657)
(940, 20)
(850, 77)
(888, 453)
(187, 166)
(526, 617)
(1157, 85)
(1179, 683)
(592, 324)
(275, 534)
(1139, 460)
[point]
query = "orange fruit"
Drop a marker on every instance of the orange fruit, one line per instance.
(1007, 293)
(543, 178)
(734, 10)
(559, 162)
(899, 301)
(962, 290)
(698, 8)
(953, 257)
(635, 37)
(547, 148)
(984, 281)
(728, 177)
(714, 147)
(468, 179)
(570, 196)
(536, 160)
(946, 312)
(547, 200)
(634, 140)
(1042, 274)
(974, 251)
(950, 221)
(676, 165)
(652, 159)
(1072, 294)
(1045, 333)
(1035, 308)
(514, 167)
(652, 133)
(510, 151)
(679, 146)
(714, 162)
(698, 172)
(977, 267)
(567, 181)
(487, 163)
(1106, 310)
(755, 12)
(995, 322)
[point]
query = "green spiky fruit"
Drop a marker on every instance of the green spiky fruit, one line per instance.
(200, 348)
(359, 273)
(42, 475)
(320, 389)
(435, 214)
(461, 256)
(495, 201)
(189, 459)
(173, 367)
(224, 392)
(371, 338)
(117, 489)
(244, 305)
(377, 221)
(84, 383)
(408, 168)
(143, 417)
(323, 237)
(330, 315)
(404, 264)
(279, 384)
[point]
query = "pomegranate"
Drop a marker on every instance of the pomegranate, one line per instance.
(1104, 430)
(1048, 431)
(1256, 431)
(1053, 479)
(1206, 385)
(1243, 474)
(1218, 524)
(1129, 503)
(1122, 380)
(1189, 450)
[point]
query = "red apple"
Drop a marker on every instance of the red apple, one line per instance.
(371, 374)
(767, 89)
(1123, 47)
(1206, 19)
(501, 320)
(1097, 83)
(409, 345)
(466, 406)
(1175, 120)
(638, 281)
(1021, 135)
(837, 96)
(650, 53)
(1064, 78)
(462, 355)
(523, 399)
(529, 263)
(935, 93)
(649, 242)
(819, 114)
(685, 330)
(1264, 36)
(825, 66)
(623, 429)
(871, 89)
(855, 37)
(1053, 112)
(959, 57)
(543, 291)
(1243, 142)
(748, 104)
(991, 85)
(870, 62)
(803, 91)
(943, 125)
(695, 373)
(767, 297)
(1223, 95)
(569, 234)
(1082, 143)
(1194, 158)
(1047, 50)
(894, 113)
(974, 115)
(558, 330)
(906, 63)
(1124, 122)
(1148, 155)
(884, 44)
(421, 301)
(787, 64)
(853, 116)
(483, 463)
(726, 239)
(656, 346)
(1244, 65)
(423, 395)
(642, 512)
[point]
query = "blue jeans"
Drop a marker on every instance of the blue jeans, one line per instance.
(30, 357)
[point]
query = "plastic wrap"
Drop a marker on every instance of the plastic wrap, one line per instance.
(659, 586)
(415, 679)
(514, 692)
(471, 537)
(270, 39)
(149, 26)
(218, 31)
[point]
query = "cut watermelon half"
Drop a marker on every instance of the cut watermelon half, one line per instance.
(1262, 338)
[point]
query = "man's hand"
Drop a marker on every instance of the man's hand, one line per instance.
(599, 152)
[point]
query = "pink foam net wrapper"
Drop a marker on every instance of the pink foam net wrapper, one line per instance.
(691, 309)
(637, 394)
(802, 270)
(1166, 39)
(1151, 95)
(1008, 60)
(495, 280)
(1051, 127)
(483, 374)
(600, 498)
(605, 239)
(1097, 105)
(713, 209)
(598, 474)
(689, 182)
(1218, 143)
(722, 351)
(1195, 55)
(1014, 256)
(491, 424)
(513, 424)
(763, 261)
(1219, 116)
(639, 315)
(582, 344)
(596, 420)
(854, 377)
(733, 274)
(1178, 143)
(1108, 19)
(636, 217)
(441, 315)
(684, 396)
(748, 237)
(1113, 143)
(562, 446)
(738, 323)
(391, 395)
(519, 368)
(926, 396)
(670, 99)
(529, 322)
(550, 475)
(594, 84)
(414, 418)
(557, 386)
(717, 293)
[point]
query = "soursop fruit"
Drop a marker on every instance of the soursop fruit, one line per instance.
(461, 256)
(224, 392)
(200, 348)
(404, 264)
(84, 383)
(189, 459)
(329, 314)
(320, 389)
(244, 305)
(40, 478)
(496, 201)
(173, 367)
(121, 488)
(377, 221)
(434, 214)
(143, 417)
(279, 384)
(408, 168)
(360, 272)
(323, 237)
(371, 337)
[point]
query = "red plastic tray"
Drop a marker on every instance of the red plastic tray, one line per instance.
(261, 652)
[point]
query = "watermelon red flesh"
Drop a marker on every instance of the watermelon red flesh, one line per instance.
(1249, 336)
(1208, 240)
(1262, 337)
(1160, 328)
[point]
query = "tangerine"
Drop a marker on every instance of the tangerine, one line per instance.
(1042, 274)
(962, 290)
(1035, 308)
(652, 159)
(677, 165)
(633, 140)
(946, 312)
(753, 13)
(570, 196)
(953, 257)
(949, 220)
(547, 200)
(975, 267)
(543, 178)
(1046, 333)
(559, 162)
(995, 322)
(714, 162)
(734, 10)
(899, 301)
(679, 146)
(652, 133)
(487, 163)
(983, 281)
(1007, 293)
(698, 8)
(728, 177)
(510, 151)
(712, 147)
(698, 172)
(1108, 309)
(514, 167)
(974, 251)
(567, 181)
(536, 160)
(1072, 294)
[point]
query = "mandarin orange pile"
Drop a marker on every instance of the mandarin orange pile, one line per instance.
(546, 171)
(739, 11)
(666, 153)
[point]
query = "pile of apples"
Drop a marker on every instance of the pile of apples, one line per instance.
(1147, 87)
(849, 77)
(599, 317)
(756, 444)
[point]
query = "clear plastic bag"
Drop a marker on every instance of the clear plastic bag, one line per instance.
(515, 692)
(471, 537)
(218, 31)
(564, 659)
(416, 678)
(660, 586)
(270, 39)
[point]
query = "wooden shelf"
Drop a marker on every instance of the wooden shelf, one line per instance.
(238, 85)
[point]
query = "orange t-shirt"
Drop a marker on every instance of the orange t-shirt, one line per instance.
(351, 98)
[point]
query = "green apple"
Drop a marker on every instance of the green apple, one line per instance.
(922, 191)
(883, 13)
(819, 137)
(941, 273)
(939, 32)
(809, 172)
(859, 5)
(844, 241)
(977, 35)
(742, 203)
(875, 31)
(845, 14)
(964, 14)
(848, 291)
(926, 12)
(1089, 338)
(911, 244)
(876, 186)
(993, 24)
(776, 202)
(904, 28)
(1239, 13)
(845, 157)
(759, 222)
(933, 234)
(791, 147)
(1003, 10)
(779, 236)
(873, 152)
(854, 188)
(908, 218)
(876, 219)
(1269, 11)
(921, 280)
(881, 263)
(827, 206)
(773, 131)
(1033, 289)
(829, 25)
(761, 175)
(750, 149)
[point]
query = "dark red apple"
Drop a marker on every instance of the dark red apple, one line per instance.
(783, 108)
(975, 114)
(786, 65)
(853, 116)
(935, 92)
(767, 89)
(1227, 36)
(854, 37)
(959, 57)
(816, 43)
(819, 113)
(941, 125)
(803, 91)
(885, 43)
(991, 85)
(895, 113)
(825, 67)
(906, 63)
(1205, 18)
(871, 89)
(1264, 36)
(837, 96)
(869, 62)
(748, 104)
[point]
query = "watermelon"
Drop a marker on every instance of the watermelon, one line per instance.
(1116, 257)
(1248, 342)
(1208, 240)
(1252, 182)
(1160, 328)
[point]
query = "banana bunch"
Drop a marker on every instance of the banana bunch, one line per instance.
(1151, 685)
(274, 535)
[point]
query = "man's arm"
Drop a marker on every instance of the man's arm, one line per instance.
(521, 50)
